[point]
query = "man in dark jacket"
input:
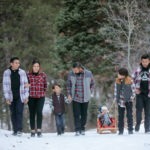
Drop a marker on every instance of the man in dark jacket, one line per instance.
(80, 84)
(141, 79)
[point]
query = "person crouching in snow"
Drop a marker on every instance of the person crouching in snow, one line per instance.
(104, 117)
(57, 103)
(125, 92)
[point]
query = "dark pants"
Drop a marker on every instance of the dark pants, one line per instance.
(80, 115)
(142, 101)
(16, 109)
(60, 123)
(35, 109)
(121, 111)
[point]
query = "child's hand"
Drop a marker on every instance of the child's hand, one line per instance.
(8, 102)
(26, 101)
(138, 91)
(69, 98)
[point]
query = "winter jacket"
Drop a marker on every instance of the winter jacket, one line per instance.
(125, 91)
(88, 83)
(24, 92)
(137, 79)
(38, 85)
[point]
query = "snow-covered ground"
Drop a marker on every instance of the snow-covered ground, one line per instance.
(91, 141)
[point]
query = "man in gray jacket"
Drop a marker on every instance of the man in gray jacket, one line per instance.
(80, 84)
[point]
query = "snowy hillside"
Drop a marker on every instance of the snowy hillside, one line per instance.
(91, 141)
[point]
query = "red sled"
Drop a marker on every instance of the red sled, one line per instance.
(112, 129)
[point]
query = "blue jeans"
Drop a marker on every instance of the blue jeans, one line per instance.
(16, 109)
(60, 123)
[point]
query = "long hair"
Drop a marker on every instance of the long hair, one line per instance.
(31, 67)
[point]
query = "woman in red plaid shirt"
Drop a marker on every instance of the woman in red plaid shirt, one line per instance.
(38, 86)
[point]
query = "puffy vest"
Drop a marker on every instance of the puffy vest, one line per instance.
(125, 87)
(59, 105)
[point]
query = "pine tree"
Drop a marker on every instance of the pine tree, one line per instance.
(80, 37)
(26, 31)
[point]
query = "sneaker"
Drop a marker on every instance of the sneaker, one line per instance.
(136, 131)
(77, 133)
(147, 131)
(62, 132)
(32, 134)
(39, 134)
(82, 132)
(19, 133)
(58, 133)
(14, 133)
(130, 132)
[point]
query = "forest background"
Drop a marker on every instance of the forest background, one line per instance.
(103, 35)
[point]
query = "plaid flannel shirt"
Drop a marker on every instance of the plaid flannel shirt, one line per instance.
(136, 76)
(24, 92)
(38, 85)
(79, 87)
(121, 101)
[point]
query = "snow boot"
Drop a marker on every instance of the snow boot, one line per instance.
(77, 133)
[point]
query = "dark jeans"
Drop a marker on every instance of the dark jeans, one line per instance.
(16, 109)
(121, 111)
(60, 123)
(80, 115)
(142, 102)
(35, 109)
